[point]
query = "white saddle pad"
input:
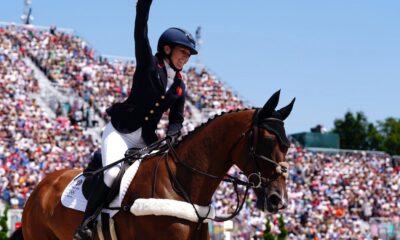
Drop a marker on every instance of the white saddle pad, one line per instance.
(73, 198)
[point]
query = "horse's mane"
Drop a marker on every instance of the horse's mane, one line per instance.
(203, 125)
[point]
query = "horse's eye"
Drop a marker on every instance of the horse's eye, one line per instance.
(266, 145)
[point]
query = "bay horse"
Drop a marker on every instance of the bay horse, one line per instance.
(252, 139)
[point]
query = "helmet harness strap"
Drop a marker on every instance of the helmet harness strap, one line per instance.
(169, 57)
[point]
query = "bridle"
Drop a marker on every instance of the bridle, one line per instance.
(281, 169)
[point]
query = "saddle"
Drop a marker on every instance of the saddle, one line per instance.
(94, 171)
(91, 180)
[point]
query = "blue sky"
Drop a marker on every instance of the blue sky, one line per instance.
(333, 56)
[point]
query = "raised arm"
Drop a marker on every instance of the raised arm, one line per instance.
(142, 45)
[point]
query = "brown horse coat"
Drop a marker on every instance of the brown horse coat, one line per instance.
(212, 148)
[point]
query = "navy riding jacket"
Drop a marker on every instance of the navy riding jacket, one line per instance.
(148, 98)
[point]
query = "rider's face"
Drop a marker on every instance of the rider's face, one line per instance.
(179, 57)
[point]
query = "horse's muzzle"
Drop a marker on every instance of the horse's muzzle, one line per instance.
(271, 203)
(275, 202)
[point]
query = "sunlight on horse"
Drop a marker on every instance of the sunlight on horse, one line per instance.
(252, 139)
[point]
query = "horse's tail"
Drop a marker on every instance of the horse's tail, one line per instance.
(17, 235)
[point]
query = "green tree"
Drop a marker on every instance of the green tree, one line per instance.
(267, 233)
(390, 130)
(3, 225)
(352, 131)
(374, 138)
(284, 232)
(357, 133)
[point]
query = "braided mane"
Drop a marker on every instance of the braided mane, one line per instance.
(203, 125)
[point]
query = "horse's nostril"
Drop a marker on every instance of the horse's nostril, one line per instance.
(274, 199)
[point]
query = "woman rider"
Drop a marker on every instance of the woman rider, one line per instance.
(157, 87)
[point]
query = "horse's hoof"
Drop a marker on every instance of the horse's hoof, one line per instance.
(83, 234)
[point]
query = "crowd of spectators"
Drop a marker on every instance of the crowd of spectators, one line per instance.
(210, 95)
(31, 143)
(331, 196)
(71, 64)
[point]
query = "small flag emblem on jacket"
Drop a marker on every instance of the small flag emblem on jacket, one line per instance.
(179, 91)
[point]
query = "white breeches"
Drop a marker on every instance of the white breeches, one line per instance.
(113, 147)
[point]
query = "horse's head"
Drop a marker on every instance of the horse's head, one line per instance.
(266, 165)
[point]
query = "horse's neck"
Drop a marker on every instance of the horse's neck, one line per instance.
(209, 150)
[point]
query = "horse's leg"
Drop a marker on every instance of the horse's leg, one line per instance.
(157, 227)
(204, 231)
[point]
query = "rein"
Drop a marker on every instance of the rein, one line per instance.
(131, 155)
(166, 147)
(234, 180)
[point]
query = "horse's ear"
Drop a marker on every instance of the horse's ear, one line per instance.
(285, 111)
(270, 105)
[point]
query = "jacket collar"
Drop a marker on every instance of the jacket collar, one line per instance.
(163, 72)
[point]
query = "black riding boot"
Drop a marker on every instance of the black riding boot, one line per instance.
(93, 208)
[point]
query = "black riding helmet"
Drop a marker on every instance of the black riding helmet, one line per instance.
(176, 36)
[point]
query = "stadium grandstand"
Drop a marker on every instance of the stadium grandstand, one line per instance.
(49, 79)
